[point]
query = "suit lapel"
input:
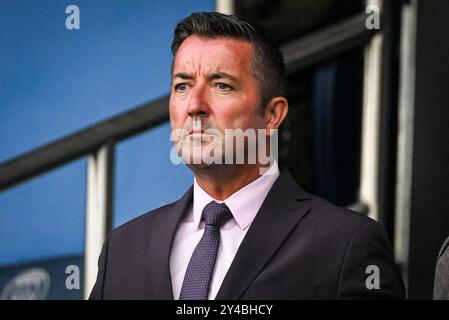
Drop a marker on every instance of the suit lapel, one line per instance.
(279, 214)
(160, 247)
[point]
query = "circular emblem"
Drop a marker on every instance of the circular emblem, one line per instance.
(31, 284)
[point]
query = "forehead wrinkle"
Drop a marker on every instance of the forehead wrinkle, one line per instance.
(213, 72)
(201, 60)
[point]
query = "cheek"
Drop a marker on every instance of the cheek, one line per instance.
(235, 119)
(244, 113)
(176, 116)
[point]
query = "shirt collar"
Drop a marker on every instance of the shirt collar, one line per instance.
(244, 203)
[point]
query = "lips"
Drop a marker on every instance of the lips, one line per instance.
(197, 131)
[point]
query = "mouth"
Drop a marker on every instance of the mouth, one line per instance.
(196, 131)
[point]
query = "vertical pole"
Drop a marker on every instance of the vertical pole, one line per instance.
(405, 135)
(368, 193)
(98, 210)
(224, 6)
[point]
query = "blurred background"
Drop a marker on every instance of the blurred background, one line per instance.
(84, 134)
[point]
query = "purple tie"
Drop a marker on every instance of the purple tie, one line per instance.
(196, 282)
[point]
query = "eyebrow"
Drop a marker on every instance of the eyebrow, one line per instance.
(183, 75)
(212, 76)
(222, 75)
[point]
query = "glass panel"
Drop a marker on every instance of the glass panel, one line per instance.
(288, 20)
(119, 58)
(41, 233)
(320, 138)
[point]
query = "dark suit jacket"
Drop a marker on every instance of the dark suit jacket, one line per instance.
(298, 247)
(441, 282)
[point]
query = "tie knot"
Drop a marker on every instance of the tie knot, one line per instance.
(216, 214)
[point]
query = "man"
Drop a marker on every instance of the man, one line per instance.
(441, 281)
(240, 232)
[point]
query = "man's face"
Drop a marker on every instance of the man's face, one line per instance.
(212, 87)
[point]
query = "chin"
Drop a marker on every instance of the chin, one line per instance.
(204, 166)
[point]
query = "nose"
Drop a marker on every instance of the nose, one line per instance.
(198, 105)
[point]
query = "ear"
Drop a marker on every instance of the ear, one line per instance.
(275, 112)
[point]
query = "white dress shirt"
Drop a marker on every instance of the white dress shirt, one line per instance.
(244, 205)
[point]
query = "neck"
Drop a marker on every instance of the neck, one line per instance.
(222, 181)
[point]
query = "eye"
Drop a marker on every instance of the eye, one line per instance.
(181, 87)
(223, 86)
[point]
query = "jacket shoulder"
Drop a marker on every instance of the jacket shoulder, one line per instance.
(322, 212)
(337, 218)
(339, 221)
(142, 223)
